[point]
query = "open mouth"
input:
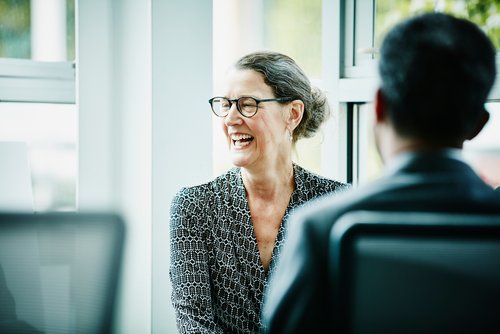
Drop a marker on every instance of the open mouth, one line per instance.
(241, 140)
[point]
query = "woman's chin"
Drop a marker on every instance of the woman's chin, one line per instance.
(238, 163)
(239, 160)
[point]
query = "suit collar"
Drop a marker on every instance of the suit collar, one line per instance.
(435, 161)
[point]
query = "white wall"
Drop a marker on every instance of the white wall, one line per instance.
(114, 100)
(144, 77)
(182, 130)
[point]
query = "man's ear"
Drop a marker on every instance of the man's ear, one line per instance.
(296, 113)
(485, 116)
(380, 107)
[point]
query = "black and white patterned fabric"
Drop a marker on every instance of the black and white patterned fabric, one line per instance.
(217, 276)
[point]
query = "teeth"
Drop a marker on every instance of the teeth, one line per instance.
(240, 137)
(241, 143)
(241, 140)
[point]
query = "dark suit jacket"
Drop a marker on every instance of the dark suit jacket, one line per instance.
(296, 300)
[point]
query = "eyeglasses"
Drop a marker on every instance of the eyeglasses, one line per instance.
(246, 105)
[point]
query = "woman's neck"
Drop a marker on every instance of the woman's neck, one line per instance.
(269, 183)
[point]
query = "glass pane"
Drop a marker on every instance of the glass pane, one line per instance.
(49, 130)
(293, 27)
(485, 13)
(482, 153)
(41, 30)
(369, 165)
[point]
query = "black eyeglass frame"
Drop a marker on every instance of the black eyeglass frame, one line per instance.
(237, 101)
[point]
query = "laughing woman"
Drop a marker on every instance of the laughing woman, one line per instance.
(226, 234)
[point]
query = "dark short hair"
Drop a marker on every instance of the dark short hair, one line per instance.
(287, 79)
(436, 72)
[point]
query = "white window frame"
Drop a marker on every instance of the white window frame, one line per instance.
(24, 80)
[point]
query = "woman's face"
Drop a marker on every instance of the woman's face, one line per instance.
(261, 141)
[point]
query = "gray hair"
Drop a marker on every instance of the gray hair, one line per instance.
(287, 79)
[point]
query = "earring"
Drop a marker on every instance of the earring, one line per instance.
(290, 135)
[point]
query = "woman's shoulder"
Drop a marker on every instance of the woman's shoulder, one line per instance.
(313, 182)
(192, 206)
(204, 191)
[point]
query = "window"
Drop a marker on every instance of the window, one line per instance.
(37, 94)
(367, 22)
(482, 152)
(366, 162)
(363, 28)
(37, 29)
(49, 130)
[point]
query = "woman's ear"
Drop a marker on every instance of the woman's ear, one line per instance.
(295, 114)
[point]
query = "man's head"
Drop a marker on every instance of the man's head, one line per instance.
(436, 72)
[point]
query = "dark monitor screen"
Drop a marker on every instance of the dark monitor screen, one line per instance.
(59, 272)
(417, 273)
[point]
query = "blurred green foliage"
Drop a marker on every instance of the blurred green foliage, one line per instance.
(485, 13)
(15, 29)
(15, 38)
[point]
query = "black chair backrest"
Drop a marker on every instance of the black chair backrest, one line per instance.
(59, 272)
(408, 272)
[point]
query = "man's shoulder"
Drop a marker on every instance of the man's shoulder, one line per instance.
(385, 194)
(401, 192)
(321, 213)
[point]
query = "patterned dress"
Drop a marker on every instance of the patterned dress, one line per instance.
(217, 276)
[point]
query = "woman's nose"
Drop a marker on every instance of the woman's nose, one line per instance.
(233, 116)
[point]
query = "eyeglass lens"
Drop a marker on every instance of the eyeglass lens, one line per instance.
(247, 106)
